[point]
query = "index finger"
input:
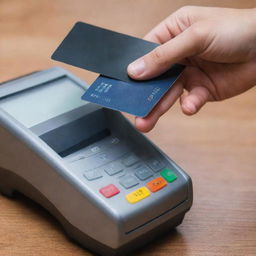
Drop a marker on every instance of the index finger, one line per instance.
(176, 23)
(169, 27)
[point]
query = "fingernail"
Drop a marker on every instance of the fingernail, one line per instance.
(136, 68)
(189, 107)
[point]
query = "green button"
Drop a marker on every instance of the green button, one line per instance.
(168, 175)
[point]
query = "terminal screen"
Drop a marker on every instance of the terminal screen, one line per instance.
(38, 104)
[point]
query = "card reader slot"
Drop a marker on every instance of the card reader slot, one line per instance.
(155, 218)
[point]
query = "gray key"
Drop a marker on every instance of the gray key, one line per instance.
(130, 160)
(113, 168)
(155, 164)
(93, 175)
(143, 173)
(75, 158)
(128, 181)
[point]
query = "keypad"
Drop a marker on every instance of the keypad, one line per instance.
(93, 175)
(95, 149)
(114, 168)
(130, 160)
(155, 164)
(109, 190)
(114, 141)
(129, 171)
(92, 151)
(128, 181)
(75, 158)
(168, 175)
(138, 195)
(143, 172)
(156, 184)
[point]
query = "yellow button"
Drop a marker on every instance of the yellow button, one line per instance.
(138, 195)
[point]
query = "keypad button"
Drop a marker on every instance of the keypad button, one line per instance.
(156, 184)
(168, 175)
(102, 158)
(143, 172)
(115, 141)
(75, 158)
(155, 164)
(95, 149)
(137, 195)
(109, 191)
(93, 175)
(128, 181)
(113, 168)
(92, 151)
(130, 160)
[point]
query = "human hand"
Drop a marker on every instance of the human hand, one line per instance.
(218, 47)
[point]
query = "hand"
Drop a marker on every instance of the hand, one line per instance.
(218, 47)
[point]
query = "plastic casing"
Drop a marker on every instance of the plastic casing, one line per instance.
(29, 165)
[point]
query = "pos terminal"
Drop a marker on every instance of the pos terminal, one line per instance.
(111, 189)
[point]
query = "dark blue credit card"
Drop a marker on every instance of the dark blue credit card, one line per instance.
(137, 97)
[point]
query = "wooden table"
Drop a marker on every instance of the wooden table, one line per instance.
(217, 147)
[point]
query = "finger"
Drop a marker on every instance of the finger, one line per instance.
(161, 33)
(194, 100)
(177, 22)
(147, 123)
(173, 25)
(189, 43)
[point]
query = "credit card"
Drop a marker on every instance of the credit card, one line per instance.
(136, 98)
(100, 50)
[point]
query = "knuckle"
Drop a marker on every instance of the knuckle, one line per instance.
(198, 32)
(199, 37)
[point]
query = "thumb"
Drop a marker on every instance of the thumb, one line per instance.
(189, 43)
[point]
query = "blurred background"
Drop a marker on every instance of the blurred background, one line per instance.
(216, 147)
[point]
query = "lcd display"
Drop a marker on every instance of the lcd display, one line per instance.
(36, 105)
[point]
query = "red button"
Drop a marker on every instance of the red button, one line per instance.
(109, 191)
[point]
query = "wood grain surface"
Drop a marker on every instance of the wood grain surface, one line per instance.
(217, 147)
